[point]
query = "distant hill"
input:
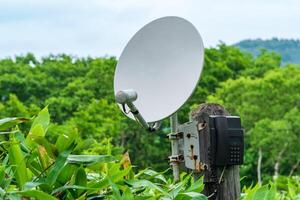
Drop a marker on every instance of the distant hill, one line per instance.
(289, 49)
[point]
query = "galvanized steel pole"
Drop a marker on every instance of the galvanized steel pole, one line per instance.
(175, 147)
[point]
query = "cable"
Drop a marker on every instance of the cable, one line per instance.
(222, 174)
(124, 109)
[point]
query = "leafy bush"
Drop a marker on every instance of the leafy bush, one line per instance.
(34, 167)
(284, 188)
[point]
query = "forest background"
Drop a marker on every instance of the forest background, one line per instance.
(255, 79)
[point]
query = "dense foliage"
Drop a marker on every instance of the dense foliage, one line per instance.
(79, 92)
(33, 167)
(288, 48)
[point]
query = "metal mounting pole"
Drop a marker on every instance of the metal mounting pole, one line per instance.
(174, 158)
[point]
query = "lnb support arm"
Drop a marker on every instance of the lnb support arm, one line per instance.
(127, 97)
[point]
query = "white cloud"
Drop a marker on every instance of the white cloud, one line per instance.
(100, 27)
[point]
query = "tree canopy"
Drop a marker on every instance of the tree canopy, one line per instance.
(79, 95)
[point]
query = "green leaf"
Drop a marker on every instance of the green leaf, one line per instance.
(43, 119)
(66, 140)
(2, 192)
(146, 184)
(11, 122)
(17, 160)
(272, 192)
(35, 131)
(31, 185)
(291, 189)
(38, 128)
(152, 174)
(8, 132)
(2, 174)
(58, 166)
(264, 193)
(127, 194)
(250, 192)
(66, 174)
(116, 192)
(90, 159)
(39, 195)
(190, 196)
(80, 179)
(72, 187)
(180, 186)
(50, 148)
(197, 186)
(297, 197)
(115, 175)
(84, 144)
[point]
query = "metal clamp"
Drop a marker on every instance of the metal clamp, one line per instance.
(176, 158)
(175, 136)
(201, 126)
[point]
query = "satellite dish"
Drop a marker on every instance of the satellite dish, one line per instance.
(162, 63)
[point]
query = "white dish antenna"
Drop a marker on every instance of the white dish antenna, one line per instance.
(159, 69)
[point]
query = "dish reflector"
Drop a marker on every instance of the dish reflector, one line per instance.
(162, 62)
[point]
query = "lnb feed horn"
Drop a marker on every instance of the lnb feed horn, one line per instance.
(127, 97)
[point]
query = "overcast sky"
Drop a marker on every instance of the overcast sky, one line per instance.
(103, 27)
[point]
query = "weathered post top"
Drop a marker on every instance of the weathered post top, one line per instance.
(222, 183)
